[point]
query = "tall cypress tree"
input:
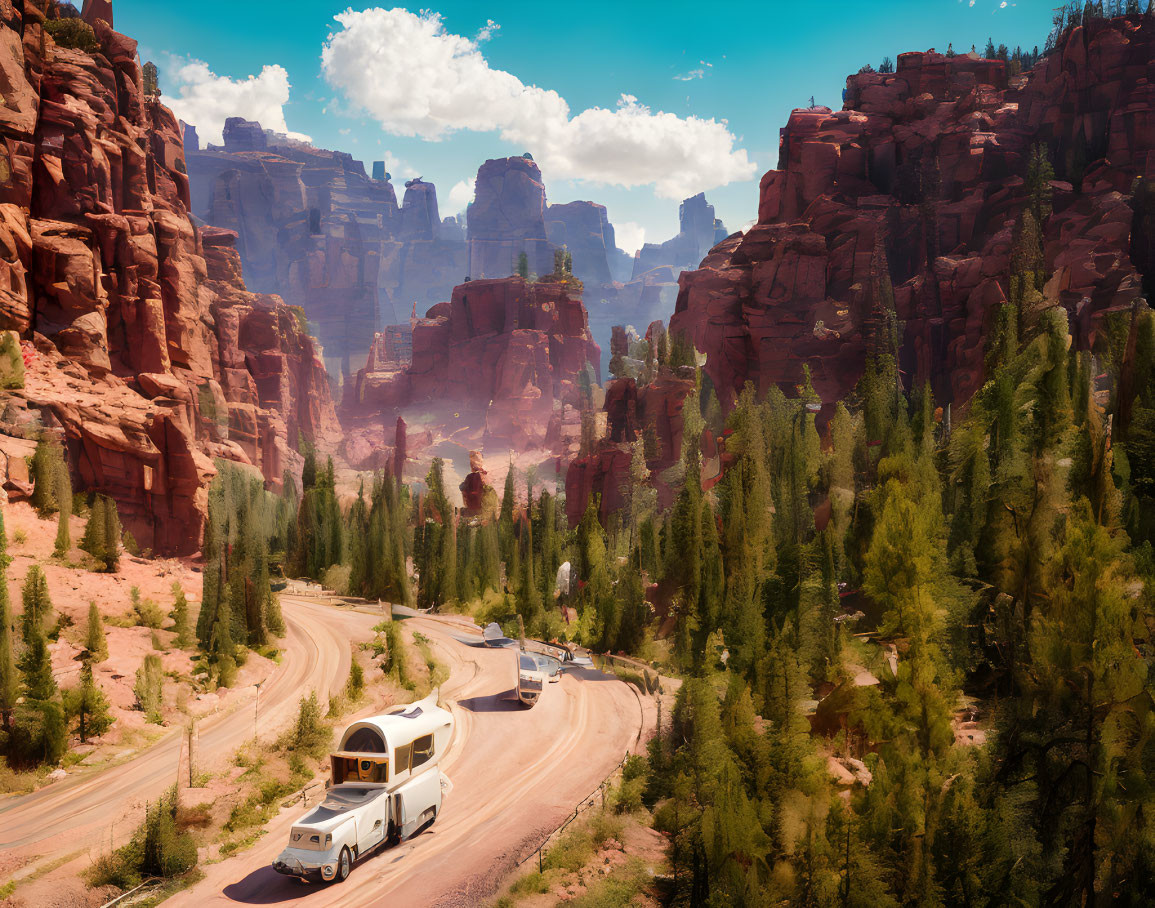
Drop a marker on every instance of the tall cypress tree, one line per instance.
(95, 639)
(37, 605)
(111, 553)
(64, 502)
(9, 678)
(180, 616)
(93, 540)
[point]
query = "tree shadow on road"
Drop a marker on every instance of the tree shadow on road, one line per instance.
(506, 701)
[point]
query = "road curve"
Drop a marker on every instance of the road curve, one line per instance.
(515, 775)
(94, 808)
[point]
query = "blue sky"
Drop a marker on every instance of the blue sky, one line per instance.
(747, 64)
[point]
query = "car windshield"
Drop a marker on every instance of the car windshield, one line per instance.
(528, 663)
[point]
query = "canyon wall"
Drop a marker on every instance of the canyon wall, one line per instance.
(920, 179)
(144, 352)
(314, 228)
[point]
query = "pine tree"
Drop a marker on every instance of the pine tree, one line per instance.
(93, 540)
(505, 519)
(9, 677)
(37, 605)
(149, 688)
(1081, 692)
(45, 469)
(64, 500)
(110, 555)
(95, 639)
(180, 617)
(87, 705)
(38, 732)
(1040, 173)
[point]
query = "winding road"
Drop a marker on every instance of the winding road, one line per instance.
(90, 809)
(515, 775)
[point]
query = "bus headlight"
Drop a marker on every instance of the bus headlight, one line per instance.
(328, 871)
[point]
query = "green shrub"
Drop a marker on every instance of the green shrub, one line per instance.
(73, 33)
(336, 578)
(146, 612)
(11, 361)
(309, 735)
(149, 688)
(531, 884)
(356, 683)
(159, 848)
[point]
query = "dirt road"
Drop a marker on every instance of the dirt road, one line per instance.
(515, 775)
(91, 809)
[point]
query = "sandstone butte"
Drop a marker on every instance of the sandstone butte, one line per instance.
(512, 349)
(145, 353)
(314, 228)
(927, 166)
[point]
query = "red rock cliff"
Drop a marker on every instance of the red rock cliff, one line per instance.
(151, 359)
(927, 165)
(511, 348)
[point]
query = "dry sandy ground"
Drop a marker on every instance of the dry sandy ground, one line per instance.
(87, 812)
(516, 774)
(71, 588)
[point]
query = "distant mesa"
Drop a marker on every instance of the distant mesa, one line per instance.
(313, 227)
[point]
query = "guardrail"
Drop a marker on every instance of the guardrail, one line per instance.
(585, 804)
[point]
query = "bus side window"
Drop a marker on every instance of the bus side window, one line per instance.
(402, 756)
(422, 750)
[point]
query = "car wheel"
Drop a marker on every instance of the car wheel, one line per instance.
(344, 865)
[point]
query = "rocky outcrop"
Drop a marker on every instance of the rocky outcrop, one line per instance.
(315, 229)
(698, 232)
(507, 218)
(144, 351)
(585, 230)
(918, 182)
(509, 348)
(651, 415)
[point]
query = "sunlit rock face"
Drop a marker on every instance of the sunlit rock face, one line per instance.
(315, 228)
(144, 351)
(509, 351)
(921, 176)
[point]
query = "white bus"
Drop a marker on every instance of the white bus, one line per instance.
(385, 786)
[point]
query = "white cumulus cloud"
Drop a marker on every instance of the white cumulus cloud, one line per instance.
(461, 194)
(417, 79)
(630, 237)
(199, 96)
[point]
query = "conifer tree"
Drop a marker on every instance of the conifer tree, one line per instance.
(180, 617)
(1068, 738)
(93, 540)
(45, 469)
(37, 605)
(95, 639)
(9, 678)
(149, 688)
(505, 519)
(64, 503)
(38, 731)
(87, 705)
